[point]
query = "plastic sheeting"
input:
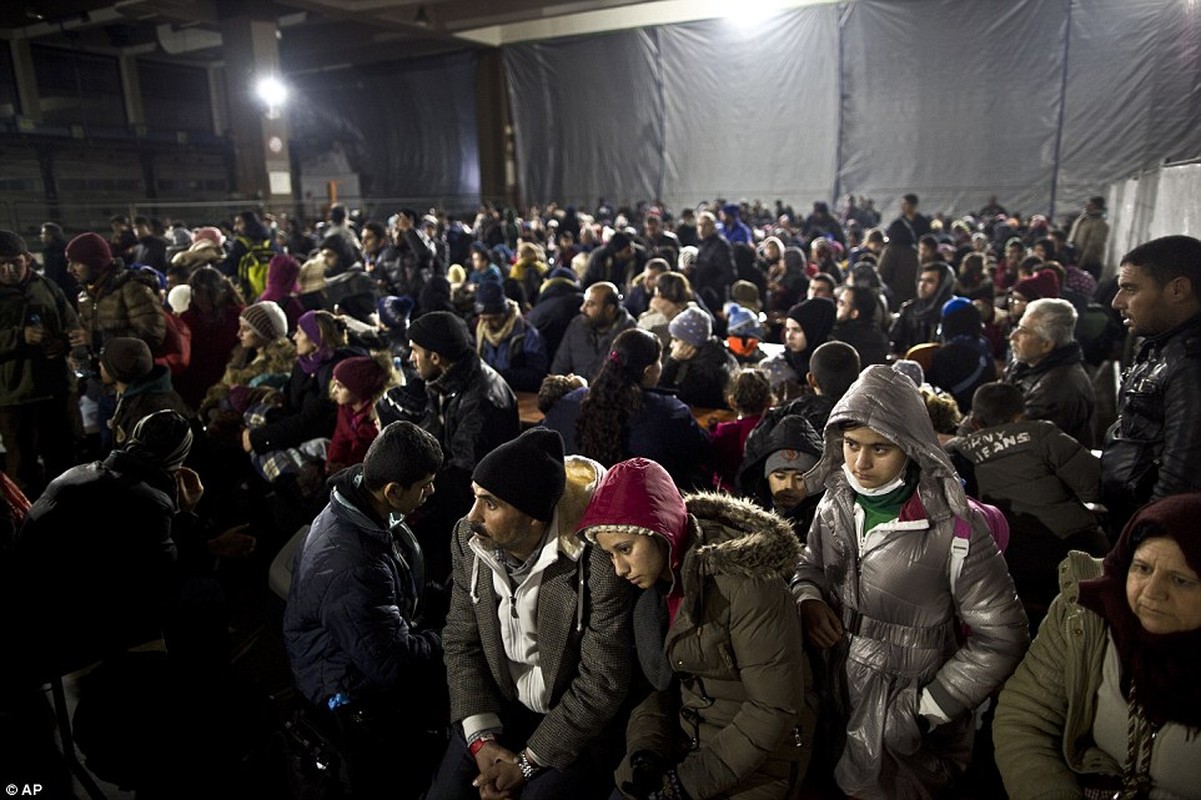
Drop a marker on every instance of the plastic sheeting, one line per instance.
(1039, 102)
(679, 112)
(408, 128)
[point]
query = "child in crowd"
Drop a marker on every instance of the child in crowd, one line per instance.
(1040, 478)
(883, 597)
(357, 383)
(749, 394)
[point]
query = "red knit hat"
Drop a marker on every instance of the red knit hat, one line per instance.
(1043, 283)
(90, 249)
(362, 375)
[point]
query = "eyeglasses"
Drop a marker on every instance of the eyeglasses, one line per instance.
(13, 264)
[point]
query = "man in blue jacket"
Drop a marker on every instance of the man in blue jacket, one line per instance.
(360, 628)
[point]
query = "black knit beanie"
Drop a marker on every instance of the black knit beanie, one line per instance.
(441, 332)
(527, 473)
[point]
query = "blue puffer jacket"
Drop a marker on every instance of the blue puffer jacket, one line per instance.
(356, 589)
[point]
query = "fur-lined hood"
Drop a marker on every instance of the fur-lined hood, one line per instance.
(725, 535)
(738, 538)
(583, 476)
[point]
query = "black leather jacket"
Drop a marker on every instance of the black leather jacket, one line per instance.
(1154, 447)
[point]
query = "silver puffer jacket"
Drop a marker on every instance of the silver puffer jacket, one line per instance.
(898, 608)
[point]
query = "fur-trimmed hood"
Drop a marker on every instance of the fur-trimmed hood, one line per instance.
(726, 535)
(739, 538)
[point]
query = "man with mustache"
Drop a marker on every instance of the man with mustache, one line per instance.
(538, 637)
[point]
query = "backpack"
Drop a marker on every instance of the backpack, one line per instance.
(998, 526)
(175, 350)
(252, 267)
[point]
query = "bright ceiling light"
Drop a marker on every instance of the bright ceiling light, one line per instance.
(272, 91)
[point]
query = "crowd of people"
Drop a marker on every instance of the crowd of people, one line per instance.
(834, 590)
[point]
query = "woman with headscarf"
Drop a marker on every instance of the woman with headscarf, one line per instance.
(308, 411)
(283, 287)
(904, 590)
(787, 282)
(717, 637)
(806, 328)
(1107, 701)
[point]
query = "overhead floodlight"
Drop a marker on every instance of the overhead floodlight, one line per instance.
(272, 91)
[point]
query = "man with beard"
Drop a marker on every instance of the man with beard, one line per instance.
(590, 336)
(538, 637)
(917, 321)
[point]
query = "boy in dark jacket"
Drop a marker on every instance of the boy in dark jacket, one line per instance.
(1041, 479)
(359, 629)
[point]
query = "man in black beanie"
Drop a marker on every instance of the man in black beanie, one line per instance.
(538, 636)
(470, 410)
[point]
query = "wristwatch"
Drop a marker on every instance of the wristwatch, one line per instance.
(528, 768)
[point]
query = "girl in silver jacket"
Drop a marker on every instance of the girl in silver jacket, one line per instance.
(913, 638)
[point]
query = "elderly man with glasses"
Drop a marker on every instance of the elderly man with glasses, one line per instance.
(1048, 366)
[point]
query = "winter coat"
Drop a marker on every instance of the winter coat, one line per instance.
(1043, 725)
(701, 380)
(277, 357)
(153, 393)
(898, 269)
(122, 302)
(351, 623)
(1035, 473)
(213, 340)
(866, 337)
(583, 627)
(894, 596)
(1058, 389)
(961, 366)
(1153, 449)
(520, 358)
(93, 589)
(557, 305)
(353, 434)
(662, 429)
(308, 413)
(713, 271)
(471, 411)
(584, 348)
(729, 446)
(352, 292)
(1089, 233)
(33, 373)
(731, 720)
(918, 319)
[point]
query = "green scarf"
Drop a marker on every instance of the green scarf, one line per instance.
(886, 507)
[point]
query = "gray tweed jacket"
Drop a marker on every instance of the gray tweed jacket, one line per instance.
(584, 642)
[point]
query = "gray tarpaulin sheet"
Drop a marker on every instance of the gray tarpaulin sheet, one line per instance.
(1040, 102)
(408, 130)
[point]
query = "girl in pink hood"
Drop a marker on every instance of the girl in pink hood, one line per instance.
(717, 635)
